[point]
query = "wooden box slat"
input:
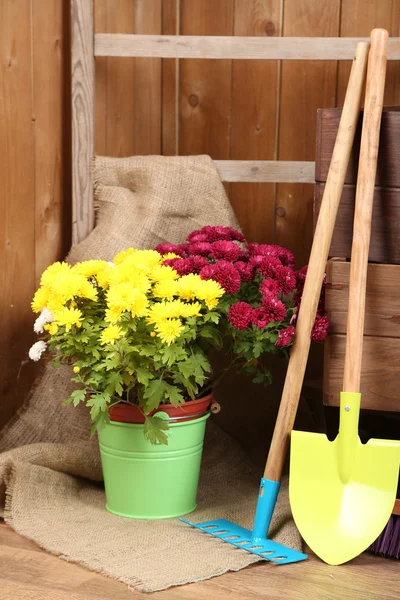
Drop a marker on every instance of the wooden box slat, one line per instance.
(382, 308)
(380, 373)
(385, 234)
(388, 172)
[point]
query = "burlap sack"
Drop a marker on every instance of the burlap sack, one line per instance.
(50, 472)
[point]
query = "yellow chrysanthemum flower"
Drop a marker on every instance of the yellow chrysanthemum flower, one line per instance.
(52, 271)
(103, 277)
(87, 290)
(125, 296)
(187, 286)
(110, 334)
(52, 328)
(168, 331)
(192, 309)
(40, 299)
(161, 311)
(166, 289)
(169, 256)
(210, 292)
(121, 256)
(76, 369)
(90, 268)
(162, 273)
(126, 272)
(68, 317)
(112, 315)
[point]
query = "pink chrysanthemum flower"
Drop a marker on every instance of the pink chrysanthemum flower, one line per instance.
(225, 250)
(267, 266)
(246, 270)
(225, 273)
(321, 329)
(182, 266)
(285, 336)
(286, 279)
(240, 315)
(285, 256)
(260, 318)
(274, 308)
(200, 248)
(197, 263)
(166, 248)
(269, 286)
(197, 237)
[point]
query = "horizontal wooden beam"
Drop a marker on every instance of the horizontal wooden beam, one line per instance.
(276, 48)
(266, 171)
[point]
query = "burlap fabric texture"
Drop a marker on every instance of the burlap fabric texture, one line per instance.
(50, 472)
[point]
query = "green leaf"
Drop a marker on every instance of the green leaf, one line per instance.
(115, 383)
(214, 317)
(257, 349)
(154, 430)
(173, 395)
(143, 375)
(77, 396)
(98, 403)
(153, 394)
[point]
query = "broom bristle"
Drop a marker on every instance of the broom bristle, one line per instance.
(388, 543)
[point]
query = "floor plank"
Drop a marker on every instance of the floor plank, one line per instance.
(27, 571)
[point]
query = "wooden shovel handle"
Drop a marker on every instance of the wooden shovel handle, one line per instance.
(363, 208)
(317, 265)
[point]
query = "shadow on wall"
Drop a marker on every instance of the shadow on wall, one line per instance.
(249, 410)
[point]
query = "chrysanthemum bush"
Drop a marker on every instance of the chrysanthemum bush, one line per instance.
(262, 293)
(134, 330)
(140, 328)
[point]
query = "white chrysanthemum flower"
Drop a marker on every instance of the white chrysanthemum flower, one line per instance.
(36, 351)
(44, 318)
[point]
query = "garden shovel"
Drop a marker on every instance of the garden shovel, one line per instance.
(342, 493)
(256, 541)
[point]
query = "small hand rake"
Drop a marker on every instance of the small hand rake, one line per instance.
(256, 541)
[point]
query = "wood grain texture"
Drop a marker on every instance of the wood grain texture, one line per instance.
(375, 85)
(359, 17)
(305, 87)
(382, 307)
(254, 118)
(50, 46)
(17, 206)
(388, 174)
(82, 66)
(133, 90)
(205, 86)
(32, 573)
(101, 65)
(224, 47)
(396, 509)
(385, 234)
(170, 82)
(316, 268)
(380, 377)
(266, 171)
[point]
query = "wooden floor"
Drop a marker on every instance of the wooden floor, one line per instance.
(27, 572)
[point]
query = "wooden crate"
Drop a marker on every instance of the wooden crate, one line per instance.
(385, 235)
(380, 377)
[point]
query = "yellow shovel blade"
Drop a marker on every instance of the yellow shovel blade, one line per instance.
(340, 513)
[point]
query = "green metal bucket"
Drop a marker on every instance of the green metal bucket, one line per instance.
(145, 481)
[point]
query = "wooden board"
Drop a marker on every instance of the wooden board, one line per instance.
(17, 205)
(205, 86)
(221, 47)
(385, 232)
(305, 87)
(359, 17)
(170, 82)
(254, 118)
(388, 172)
(380, 373)
(382, 308)
(51, 121)
(26, 571)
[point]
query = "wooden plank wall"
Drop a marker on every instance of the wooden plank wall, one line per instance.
(228, 109)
